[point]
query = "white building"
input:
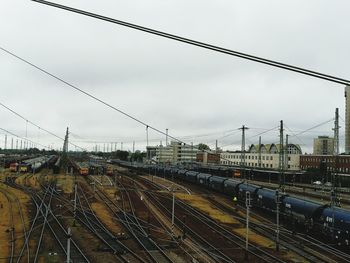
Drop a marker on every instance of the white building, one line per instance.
(267, 157)
(176, 152)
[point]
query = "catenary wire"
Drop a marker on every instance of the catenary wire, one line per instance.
(40, 128)
(20, 137)
(202, 44)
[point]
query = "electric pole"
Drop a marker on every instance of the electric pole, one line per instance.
(281, 159)
(5, 141)
(244, 128)
(259, 152)
(148, 153)
(286, 154)
(166, 137)
(277, 220)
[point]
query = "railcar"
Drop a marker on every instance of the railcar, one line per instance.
(216, 183)
(231, 187)
(191, 176)
(266, 199)
(335, 223)
(302, 211)
(181, 174)
(202, 179)
(243, 188)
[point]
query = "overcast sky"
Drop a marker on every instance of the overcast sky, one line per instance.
(198, 94)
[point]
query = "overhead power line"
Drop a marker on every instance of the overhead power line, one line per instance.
(20, 137)
(36, 125)
(202, 44)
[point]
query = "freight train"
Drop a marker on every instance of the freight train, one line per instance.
(332, 222)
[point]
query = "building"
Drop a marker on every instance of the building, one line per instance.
(208, 158)
(347, 120)
(323, 145)
(175, 152)
(327, 162)
(267, 156)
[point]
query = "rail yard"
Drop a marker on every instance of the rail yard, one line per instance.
(121, 212)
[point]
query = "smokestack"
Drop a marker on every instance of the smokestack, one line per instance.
(347, 119)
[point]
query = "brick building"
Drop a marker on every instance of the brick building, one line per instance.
(326, 161)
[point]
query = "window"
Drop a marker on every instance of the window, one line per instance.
(271, 158)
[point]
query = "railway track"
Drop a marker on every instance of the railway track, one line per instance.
(92, 222)
(203, 223)
(304, 245)
(134, 227)
(46, 219)
(11, 228)
(301, 246)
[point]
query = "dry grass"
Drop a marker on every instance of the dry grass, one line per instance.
(4, 225)
(205, 206)
(106, 217)
(23, 200)
(65, 182)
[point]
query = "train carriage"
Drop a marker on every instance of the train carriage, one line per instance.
(217, 183)
(303, 211)
(266, 199)
(203, 178)
(191, 176)
(341, 219)
(231, 187)
(243, 188)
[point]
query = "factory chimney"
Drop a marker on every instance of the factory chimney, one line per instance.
(347, 119)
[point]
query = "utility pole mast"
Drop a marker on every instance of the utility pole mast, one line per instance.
(216, 146)
(280, 188)
(244, 128)
(259, 152)
(281, 159)
(5, 141)
(286, 154)
(133, 147)
(166, 137)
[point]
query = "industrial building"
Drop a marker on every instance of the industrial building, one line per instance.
(265, 156)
